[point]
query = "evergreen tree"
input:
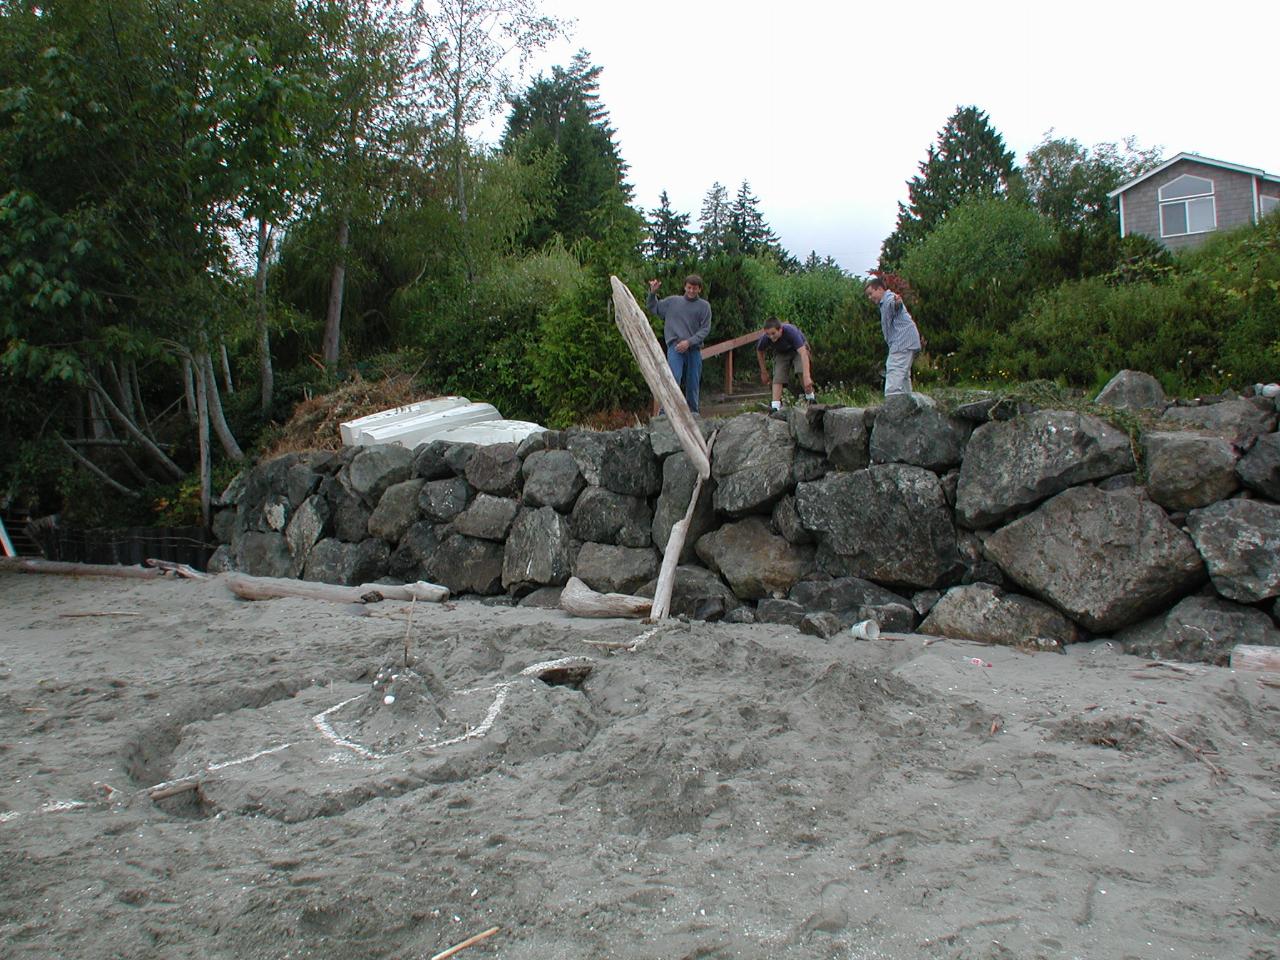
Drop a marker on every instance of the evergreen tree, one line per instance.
(562, 114)
(969, 160)
(669, 238)
(748, 225)
(715, 226)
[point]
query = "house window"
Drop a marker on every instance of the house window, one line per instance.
(1269, 204)
(1187, 206)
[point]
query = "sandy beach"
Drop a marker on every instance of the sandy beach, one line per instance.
(714, 791)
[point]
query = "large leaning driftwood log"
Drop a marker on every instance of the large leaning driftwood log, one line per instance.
(581, 601)
(267, 588)
(671, 558)
(636, 331)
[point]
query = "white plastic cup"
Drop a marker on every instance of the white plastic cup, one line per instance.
(865, 630)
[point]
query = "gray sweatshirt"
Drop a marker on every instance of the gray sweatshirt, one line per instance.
(899, 329)
(682, 318)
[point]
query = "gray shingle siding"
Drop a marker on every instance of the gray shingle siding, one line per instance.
(1232, 194)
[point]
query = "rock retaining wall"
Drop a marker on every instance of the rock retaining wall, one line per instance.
(996, 523)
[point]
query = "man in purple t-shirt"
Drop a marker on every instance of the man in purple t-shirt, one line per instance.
(791, 359)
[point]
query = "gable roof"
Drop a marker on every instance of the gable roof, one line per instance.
(1252, 171)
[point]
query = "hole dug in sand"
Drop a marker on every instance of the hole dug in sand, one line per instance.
(310, 756)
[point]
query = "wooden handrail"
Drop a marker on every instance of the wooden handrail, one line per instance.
(725, 345)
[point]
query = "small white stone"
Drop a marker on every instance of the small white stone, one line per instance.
(389, 699)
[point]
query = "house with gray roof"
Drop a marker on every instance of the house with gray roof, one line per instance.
(1187, 198)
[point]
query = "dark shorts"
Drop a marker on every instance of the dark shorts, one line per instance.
(787, 364)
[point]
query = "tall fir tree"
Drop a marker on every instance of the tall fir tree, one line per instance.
(715, 228)
(969, 160)
(668, 237)
(748, 225)
(563, 114)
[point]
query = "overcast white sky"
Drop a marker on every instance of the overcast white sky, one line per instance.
(828, 107)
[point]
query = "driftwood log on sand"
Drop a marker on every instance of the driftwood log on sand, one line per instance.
(268, 588)
(24, 565)
(675, 545)
(581, 601)
(1246, 656)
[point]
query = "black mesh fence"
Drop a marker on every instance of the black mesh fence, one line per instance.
(190, 545)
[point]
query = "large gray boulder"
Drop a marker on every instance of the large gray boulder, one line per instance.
(984, 612)
(467, 565)
(612, 569)
(411, 559)
(551, 479)
(1240, 421)
(1012, 465)
(842, 593)
(806, 424)
(538, 551)
(397, 511)
(301, 481)
(751, 464)
(888, 523)
(695, 588)
(1240, 543)
(374, 469)
(620, 460)
(754, 560)
(307, 527)
(332, 561)
(488, 517)
(495, 469)
(1104, 558)
(786, 520)
(350, 518)
(678, 480)
(1188, 470)
(262, 554)
(910, 428)
(607, 517)
(1259, 469)
(1132, 390)
(430, 462)
(847, 435)
(1199, 629)
(663, 439)
(442, 500)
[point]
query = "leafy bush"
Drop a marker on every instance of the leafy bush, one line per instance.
(975, 274)
(580, 363)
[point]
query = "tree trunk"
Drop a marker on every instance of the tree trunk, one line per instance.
(97, 471)
(136, 388)
(202, 436)
(189, 388)
(124, 397)
(213, 402)
(337, 285)
(226, 369)
(266, 375)
(131, 428)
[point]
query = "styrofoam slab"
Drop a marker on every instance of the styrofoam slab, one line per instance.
(490, 431)
(352, 428)
(423, 428)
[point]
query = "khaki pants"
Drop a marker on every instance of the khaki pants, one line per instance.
(897, 372)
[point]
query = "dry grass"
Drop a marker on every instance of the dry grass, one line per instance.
(314, 424)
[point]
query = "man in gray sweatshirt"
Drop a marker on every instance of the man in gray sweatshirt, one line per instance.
(686, 324)
(900, 334)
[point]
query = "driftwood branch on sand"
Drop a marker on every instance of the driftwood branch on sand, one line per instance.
(581, 601)
(268, 588)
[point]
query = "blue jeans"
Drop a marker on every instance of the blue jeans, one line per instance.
(687, 369)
